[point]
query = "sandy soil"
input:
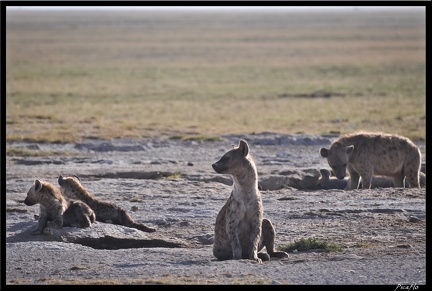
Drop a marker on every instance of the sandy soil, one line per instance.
(170, 185)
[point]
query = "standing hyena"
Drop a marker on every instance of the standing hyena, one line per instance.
(105, 212)
(365, 154)
(240, 230)
(56, 208)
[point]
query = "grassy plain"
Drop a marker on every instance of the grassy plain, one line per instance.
(79, 74)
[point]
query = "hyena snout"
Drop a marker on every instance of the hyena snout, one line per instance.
(340, 175)
(339, 172)
(28, 202)
(219, 167)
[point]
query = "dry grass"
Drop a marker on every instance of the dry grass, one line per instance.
(116, 74)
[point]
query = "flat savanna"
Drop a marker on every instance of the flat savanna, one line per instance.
(140, 104)
(110, 74)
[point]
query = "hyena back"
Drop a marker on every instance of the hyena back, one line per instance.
(241, 232)
(105, 212)
(367, 154)
(57, 209)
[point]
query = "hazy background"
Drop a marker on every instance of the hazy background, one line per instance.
(187, 71)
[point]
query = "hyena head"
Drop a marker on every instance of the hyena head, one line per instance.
(337, 158)
(324, 180)
(69, 184)
(234, 160)
(40, 192)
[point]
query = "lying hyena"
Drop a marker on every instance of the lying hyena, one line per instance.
(367, 154)
(327, 181)
(56, 208)
(240, 230)
(105, 212)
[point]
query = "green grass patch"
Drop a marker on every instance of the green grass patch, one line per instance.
(305, 244)
(174, 176)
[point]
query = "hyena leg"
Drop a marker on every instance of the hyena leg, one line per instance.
(42, 223)
(353, 181)
(412, 179)
(268, 241)
(398, 180)
(366, 181)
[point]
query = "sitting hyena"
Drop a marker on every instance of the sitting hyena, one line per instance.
(240, 230)
(56, 208)
(105, 212)
(367, 154)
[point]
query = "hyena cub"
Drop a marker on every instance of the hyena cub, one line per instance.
(367, 154)
(57, 209)
(327, 181)
(105, 212)
(240, 230)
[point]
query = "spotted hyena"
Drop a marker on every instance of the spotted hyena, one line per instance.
(328, 181)
(241, 232)
(57, 209)
(105, 212)
(366, 154)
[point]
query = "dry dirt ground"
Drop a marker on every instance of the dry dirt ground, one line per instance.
(170, 185)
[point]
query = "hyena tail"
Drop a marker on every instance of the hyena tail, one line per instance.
(127, 220)
(142, 227)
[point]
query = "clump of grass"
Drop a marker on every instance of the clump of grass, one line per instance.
(305, 244)
(174, 176)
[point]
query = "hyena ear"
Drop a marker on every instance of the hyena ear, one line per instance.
(60, 180)
(244, 147)
(38, 185)
(324, 152)
(77, 177)
(325, 173)
(349, 149)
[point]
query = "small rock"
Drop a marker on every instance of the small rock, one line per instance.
(413, 218)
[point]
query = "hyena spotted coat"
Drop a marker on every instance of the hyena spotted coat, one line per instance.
(241, 232)
(105, 212)
(57, 209)
(366, 154)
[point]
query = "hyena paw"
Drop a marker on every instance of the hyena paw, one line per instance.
(264, 256)
(258, 260)
(36, 232)
(48, 231)
(279, 255)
